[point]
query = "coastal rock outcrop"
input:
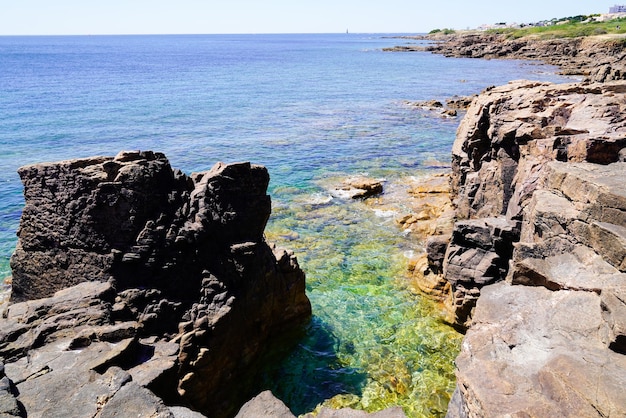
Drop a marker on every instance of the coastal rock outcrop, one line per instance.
(137, 285)
(597, 58)
(536, 261)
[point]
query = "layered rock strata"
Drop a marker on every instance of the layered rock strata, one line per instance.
(536, 261)
(153, 282)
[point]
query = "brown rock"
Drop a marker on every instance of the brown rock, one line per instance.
(510, 365)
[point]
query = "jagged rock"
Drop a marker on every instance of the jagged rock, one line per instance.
(460, 103)
(476, 256)
(598, 58)
(161, 278)
(436, 247)
(511, 132)
(134, 401)
(8, 402)
(542, 160)
(70, 312)
(182, 412)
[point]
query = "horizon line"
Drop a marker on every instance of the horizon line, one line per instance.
(205, 34)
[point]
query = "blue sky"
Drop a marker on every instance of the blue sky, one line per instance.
(43, 17)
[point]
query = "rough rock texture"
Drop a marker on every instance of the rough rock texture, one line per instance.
(477, 255)
(597, 58)
(536, 352)
(264, 405)
(154, 280)
(537, 259)
(504, 144)
(511, 131)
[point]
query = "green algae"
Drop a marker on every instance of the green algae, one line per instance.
(372, 343)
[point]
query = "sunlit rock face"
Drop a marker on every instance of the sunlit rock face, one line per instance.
(537, 260)
(184, 262)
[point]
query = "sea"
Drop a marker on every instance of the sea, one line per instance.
(315, 109)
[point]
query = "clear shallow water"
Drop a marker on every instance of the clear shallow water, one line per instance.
(312, 108)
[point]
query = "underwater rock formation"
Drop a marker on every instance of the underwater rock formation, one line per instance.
(132, 280)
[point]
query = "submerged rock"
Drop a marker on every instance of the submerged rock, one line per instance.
(152, 282)
(360, 188)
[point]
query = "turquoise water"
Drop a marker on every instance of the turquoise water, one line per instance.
(314, 109)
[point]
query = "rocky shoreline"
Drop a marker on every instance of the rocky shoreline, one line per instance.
(139, 288)
(534, 267)
(595, 58)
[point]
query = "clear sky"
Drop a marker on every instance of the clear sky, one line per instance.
(44, 17)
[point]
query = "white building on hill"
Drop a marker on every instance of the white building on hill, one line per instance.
(617, 9)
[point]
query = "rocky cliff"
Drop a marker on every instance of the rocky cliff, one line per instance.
(137, 286)
(536, 261)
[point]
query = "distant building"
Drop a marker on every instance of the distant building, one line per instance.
(617, 9)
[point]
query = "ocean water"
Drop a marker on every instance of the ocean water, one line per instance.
(314, 109)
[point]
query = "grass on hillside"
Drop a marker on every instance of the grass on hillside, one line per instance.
(567, 28)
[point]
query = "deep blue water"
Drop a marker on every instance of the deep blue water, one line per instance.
(309, 107)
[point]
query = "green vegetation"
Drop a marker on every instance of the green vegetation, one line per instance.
(569, 27)
(442, 31)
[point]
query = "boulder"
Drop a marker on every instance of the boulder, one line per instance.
(264, 405)
(360, 187)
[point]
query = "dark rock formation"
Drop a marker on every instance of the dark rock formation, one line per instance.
(597, 58)
(478, 255)
(156, 283)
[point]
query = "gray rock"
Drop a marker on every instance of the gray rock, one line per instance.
(8, 403)
(182, 412)
(133, 400)
(264, 405)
